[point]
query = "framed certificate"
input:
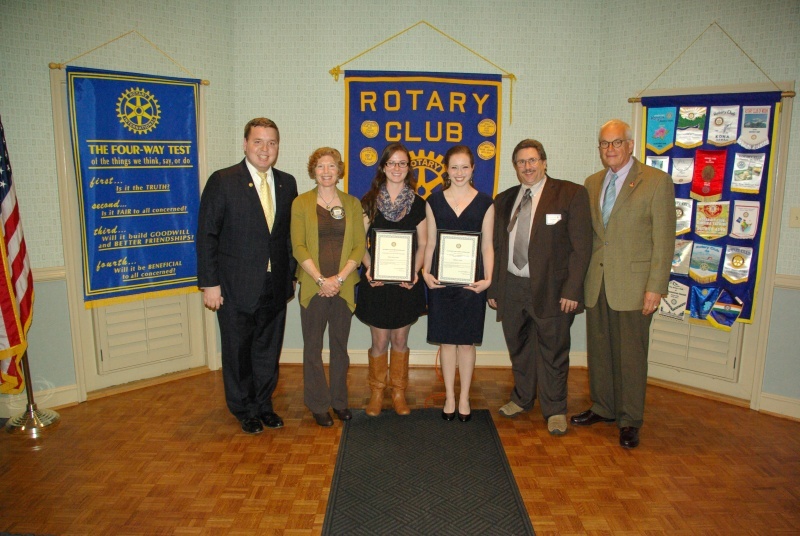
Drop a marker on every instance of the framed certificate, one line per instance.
(392, 253)
(457, 262)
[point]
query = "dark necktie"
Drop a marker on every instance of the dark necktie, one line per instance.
(522, 217)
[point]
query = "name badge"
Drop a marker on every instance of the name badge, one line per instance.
(552, 219)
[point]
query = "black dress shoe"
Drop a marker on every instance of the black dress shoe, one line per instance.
(323, 419)
(252, 426)
(629, 437)
(464, 418)
(588, 418)
(271, 420)
(448, 416)
(343, 414)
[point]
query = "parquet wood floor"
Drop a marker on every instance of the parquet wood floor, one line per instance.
(170, 460)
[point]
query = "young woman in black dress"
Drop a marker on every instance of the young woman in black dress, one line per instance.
(456, 313)
(390, 309)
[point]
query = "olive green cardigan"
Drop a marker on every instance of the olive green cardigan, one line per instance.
(305, 243)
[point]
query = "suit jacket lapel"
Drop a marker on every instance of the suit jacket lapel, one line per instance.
(548, 191)
(632, 181)
(505, 213)
(280, 193)
(251, 193)
(593, 187)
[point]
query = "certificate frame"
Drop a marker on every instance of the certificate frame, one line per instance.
(457, 257)
(393, 252)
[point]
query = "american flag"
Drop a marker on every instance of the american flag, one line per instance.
(16, 282)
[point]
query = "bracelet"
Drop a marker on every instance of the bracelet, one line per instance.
(339, 279)
(320, 280)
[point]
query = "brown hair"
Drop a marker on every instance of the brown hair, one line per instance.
(528, 144)
(370, 200)
(261, 122)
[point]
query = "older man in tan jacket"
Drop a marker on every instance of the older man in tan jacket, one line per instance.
(633, 222)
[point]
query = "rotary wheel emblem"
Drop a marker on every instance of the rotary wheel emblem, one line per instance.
(430, 168)
(138, 110)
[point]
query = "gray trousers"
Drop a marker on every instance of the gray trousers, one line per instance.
(334, 314)
(617, 342)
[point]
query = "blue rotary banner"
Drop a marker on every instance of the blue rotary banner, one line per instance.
(428, 113)
(134, 140)
(723, 175)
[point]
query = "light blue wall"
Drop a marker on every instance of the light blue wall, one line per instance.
(782, 367)
(50, 356)
(576, 63)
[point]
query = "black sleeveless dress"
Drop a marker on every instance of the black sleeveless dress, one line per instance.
(455, 314)
(392, 306)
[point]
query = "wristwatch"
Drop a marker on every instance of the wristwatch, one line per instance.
(320, 280)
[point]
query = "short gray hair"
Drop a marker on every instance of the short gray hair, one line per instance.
(620, 123)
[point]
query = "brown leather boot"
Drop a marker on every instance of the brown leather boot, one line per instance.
(398, 378)
(378, 367)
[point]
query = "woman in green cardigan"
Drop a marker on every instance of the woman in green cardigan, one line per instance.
(328, 243)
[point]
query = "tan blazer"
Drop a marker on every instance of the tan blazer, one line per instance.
(634, 253)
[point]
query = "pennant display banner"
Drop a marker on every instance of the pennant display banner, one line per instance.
(134, 141)
(729, 159)
(660, 129)
(428, 113)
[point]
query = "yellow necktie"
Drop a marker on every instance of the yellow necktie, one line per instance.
(266, 204)
(266, 199)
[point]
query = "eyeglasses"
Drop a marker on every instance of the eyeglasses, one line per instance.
(531, 161)
(616, 143)
(401, 165)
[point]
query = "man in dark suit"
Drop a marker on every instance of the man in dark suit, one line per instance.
(245, 268)
(633, 218)
(542, 245)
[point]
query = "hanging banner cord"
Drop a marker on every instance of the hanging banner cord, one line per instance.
(181, 67)
(785, 94)
(337, 71)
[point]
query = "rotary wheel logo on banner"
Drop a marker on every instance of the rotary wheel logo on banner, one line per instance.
(138, 110)
(430, 168)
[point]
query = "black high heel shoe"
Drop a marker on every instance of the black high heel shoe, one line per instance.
(449, 416)
(464, 417)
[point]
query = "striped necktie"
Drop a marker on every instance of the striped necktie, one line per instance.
(609, 198)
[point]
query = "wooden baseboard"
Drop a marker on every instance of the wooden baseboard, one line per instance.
(158, 380)
(694, 391)
(702, 393)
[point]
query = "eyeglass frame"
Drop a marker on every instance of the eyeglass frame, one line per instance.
(402, 164)
(614, 143)
(531, 161)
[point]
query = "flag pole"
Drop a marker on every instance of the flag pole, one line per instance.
(34, 422)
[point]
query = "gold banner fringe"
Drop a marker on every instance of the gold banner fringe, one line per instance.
(136, 297)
